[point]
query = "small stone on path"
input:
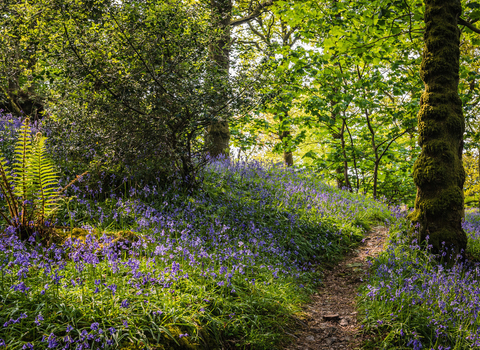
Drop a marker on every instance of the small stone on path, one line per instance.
(331, 340)
(331, 317)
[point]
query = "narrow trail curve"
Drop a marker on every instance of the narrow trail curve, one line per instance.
(331, 319)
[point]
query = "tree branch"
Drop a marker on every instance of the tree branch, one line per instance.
(97, 80)
(147, 67)
(257, 11)
(469, 25)
(265, 39)
(391, 141)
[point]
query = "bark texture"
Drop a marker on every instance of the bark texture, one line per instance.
(438, 172)
(218, 133)
(288, 158)
(218, 138)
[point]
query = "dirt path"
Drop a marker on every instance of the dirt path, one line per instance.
(331, 321)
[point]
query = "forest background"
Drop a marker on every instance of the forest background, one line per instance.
(378, 98)
(332, 86)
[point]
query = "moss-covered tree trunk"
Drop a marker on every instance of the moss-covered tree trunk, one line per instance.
(438, 172)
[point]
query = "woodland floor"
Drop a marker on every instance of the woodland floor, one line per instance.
(331, 318)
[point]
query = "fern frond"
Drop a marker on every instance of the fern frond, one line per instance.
(45, 179)
(23, 181)
(30, 186)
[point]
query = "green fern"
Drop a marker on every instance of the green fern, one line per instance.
(45, 181)
(32, 193)
(23, 152)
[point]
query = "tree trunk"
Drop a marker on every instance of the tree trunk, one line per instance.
(438, 172)
(375, 178)
(345, 162)
(217, 136)
(339, 170)
(288, 158)
(285, 135)
(375, 152)
(354, 157)
(340, 183)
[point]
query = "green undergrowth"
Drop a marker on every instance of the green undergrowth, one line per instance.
(228, 266)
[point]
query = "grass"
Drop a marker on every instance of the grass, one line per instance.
(226, 267)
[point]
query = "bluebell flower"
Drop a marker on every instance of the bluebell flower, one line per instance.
(38, 320)
(52, 341)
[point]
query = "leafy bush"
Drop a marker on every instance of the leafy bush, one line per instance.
(142, 88)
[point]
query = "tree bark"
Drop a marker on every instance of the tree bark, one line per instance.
(343, 181)
(217, 136)
(287, 155)
(285, 136)
(375, 178)
(375, 153)
(339, 170)
(354, 157)
(348, 186)
(438, 172)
